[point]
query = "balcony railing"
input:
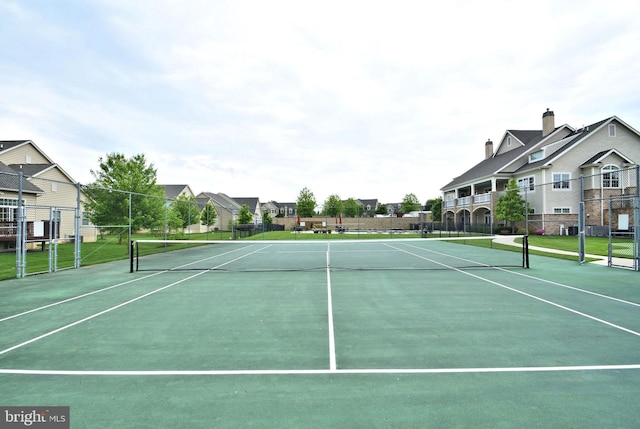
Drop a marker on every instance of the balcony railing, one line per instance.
(9, 231)
(469, 200)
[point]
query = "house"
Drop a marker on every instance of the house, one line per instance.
(254, 207)
(174, 191)
(369, 205)
(228, 208)
(52, 199)
(556, 169)
(276, 209)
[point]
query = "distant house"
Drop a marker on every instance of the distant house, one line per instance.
(174, 191)
(369, 205)
(555, 168)
(228, 208)
(276, 209)
(51, 197)
(254, 207)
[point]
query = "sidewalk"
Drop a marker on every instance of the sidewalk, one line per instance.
(600, 260)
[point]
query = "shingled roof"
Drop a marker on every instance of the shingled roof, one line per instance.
(9, 181)
(515, 161)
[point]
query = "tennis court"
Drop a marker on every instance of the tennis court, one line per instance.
(389, 333)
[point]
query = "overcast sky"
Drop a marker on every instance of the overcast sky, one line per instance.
(364, 99)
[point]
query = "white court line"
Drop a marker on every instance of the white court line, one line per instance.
(107, 288)
(371, 371)
(110, 309)
(77, 297)
(332, 340)
(93, 316)
(571, 310)
(635, 304)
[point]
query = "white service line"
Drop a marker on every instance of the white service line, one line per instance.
(571, 310)
(370, 371)
(115, 307)
(332, 340)
(78, 297)
(93, 316)
(635, 304)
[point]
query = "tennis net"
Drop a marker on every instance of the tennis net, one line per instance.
(311, 255)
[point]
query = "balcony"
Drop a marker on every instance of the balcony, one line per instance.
(469, 201)
(8, 231)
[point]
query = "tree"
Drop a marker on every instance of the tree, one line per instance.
(381, 209)
(187, 210)
(266, 218)
(333, 205)
(306, 203)
(125, 193)
(352, 208)
(409, 203)
(245, 216)
(435, 207)
(511, 207)
(208, 215)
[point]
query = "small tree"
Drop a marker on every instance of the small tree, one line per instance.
(333, 205)
(435, 207)
(187, 210)
(208, 216)
(511, 207)
(125, 192)
(245, 216)
(306, 203)
(266, 218)
(410, 203)
(381, 209)
(352, 208)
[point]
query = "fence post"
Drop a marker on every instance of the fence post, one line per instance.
(20, 220)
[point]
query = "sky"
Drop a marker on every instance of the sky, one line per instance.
(361, 99)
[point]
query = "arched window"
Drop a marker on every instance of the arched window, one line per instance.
(610, 176)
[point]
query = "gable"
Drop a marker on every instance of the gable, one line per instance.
(174, 191)
(22, 152)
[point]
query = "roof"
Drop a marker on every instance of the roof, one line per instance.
(9, 181)
(173, 191)
(30, 170)
(529, 139)
(252, 203)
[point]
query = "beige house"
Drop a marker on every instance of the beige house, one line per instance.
(51, 197)
(556, 168)
(174, 191)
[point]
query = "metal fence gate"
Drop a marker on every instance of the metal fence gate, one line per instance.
(624, 240)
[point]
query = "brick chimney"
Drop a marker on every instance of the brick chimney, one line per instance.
(488, 149)
(548, 123)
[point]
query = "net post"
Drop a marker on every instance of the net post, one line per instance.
(525, 251)
(131, 248)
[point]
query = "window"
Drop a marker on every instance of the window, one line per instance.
(561, 180)
(526, 184)
(535, 156)
(610, 176)
(8, 210)
(612, 130)
(561, 210)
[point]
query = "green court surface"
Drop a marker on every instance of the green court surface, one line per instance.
(397, 333)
